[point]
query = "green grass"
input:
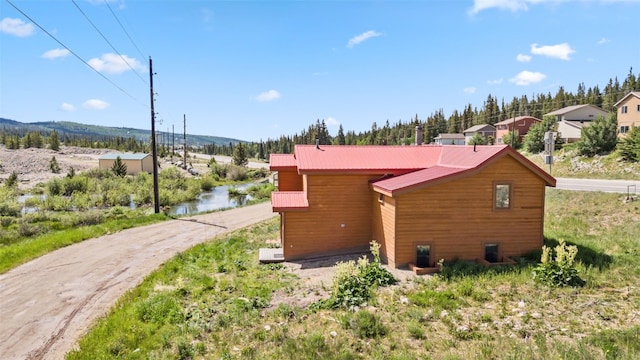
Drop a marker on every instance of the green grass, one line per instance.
(20, 252)
(216, 302)
(567, 163)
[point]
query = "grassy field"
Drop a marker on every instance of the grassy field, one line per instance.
(216, 302)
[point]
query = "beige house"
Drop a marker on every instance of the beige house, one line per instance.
(572, 119)
(485, 130)
(628, 112)
(135, 163)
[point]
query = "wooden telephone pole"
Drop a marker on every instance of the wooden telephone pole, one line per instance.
(184, 138)
(156, 197)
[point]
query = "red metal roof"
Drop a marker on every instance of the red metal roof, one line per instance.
(281, 162)
(468, 156)
(289, 200)
(407, 181)
(365, 159)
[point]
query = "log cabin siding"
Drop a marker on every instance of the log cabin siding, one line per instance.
(339, 216)
(384, 217)
(457, 217)
(289, 180)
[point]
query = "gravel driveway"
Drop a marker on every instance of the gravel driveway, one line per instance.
(46, 305)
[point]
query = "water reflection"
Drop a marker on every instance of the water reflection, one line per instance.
(217, 198)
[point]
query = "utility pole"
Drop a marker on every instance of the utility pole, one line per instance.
(156, 196)
(184, 138)
(173, 141)
(513, 131)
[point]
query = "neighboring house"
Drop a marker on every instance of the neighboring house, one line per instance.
(628, 112)
(485, 130)
(585, 112)
(449, 139)
(420, 203)
(135, 162)
(571, 131)
(572, 119)
(520, 123)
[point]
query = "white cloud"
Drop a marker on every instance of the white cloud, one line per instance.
(560, 51)
(16, 27)
(470, 90)
(523, 58)
(330, 121)
(513, 5)
(95, 104)
(55, 53)
(525, 78)
(523, 5)
(362, 37)
(114, 64)
(67, 107)
(603, 41)
(268, 96)
(495, 82)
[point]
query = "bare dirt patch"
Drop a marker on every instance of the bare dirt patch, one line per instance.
(32, 165)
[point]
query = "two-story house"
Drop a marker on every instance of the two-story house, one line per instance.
(485, 130)
(520, 123)
(628, 112)
(572, 119)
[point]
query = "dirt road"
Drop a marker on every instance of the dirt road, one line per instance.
(47, 304)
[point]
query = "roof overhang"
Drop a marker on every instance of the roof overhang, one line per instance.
(289, 201)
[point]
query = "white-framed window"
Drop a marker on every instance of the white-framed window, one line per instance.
(623, 110)
(624, 129)
(638, 108)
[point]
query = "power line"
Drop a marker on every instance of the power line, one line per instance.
(108, 42)
(123, 29)
(74, 54)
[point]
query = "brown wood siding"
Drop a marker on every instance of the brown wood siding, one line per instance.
(457, 218)
(338, 217)
(289, 180)
(384, 216)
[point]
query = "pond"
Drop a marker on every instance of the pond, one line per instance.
(217, 198)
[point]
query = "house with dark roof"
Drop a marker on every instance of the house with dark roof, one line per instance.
(628, 112)
(487, 131)
(520, 123)
(421, 203)
(135, 162)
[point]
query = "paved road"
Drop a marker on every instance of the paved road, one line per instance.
(43, 316)
(617, 186)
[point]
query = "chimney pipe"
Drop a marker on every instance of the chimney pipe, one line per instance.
(317, 143)
(418, 134)
(474, 147)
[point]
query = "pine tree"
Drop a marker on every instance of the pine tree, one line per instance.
(53, 165)
(341, 139)
(599, 137)
(54, 143)
(119, 168)
(240, 155)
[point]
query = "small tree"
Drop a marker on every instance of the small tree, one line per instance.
(477, 139)
(240, 155)
(629, 146)
(53, 165)
(599, 137)
(534, 140)
(119, 168)
(54, 143)
(512, 138)
(12, 180)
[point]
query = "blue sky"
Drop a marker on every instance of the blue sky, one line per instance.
(254, 70)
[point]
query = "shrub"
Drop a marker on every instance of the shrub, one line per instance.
(237, 173)
(558, 271)
(629, 146)
(75, 184)
(599, 137)
(12, 180)
(353, 282)
(54, 187)
(365, 324)
(53, 165)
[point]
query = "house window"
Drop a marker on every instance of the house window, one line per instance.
(380, 197)
(623, 110)
(638, 108)
(423, 256)
(624, 129)
(491, 253)
(502, 196)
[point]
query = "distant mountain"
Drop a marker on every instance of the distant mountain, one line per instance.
(77, 129)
